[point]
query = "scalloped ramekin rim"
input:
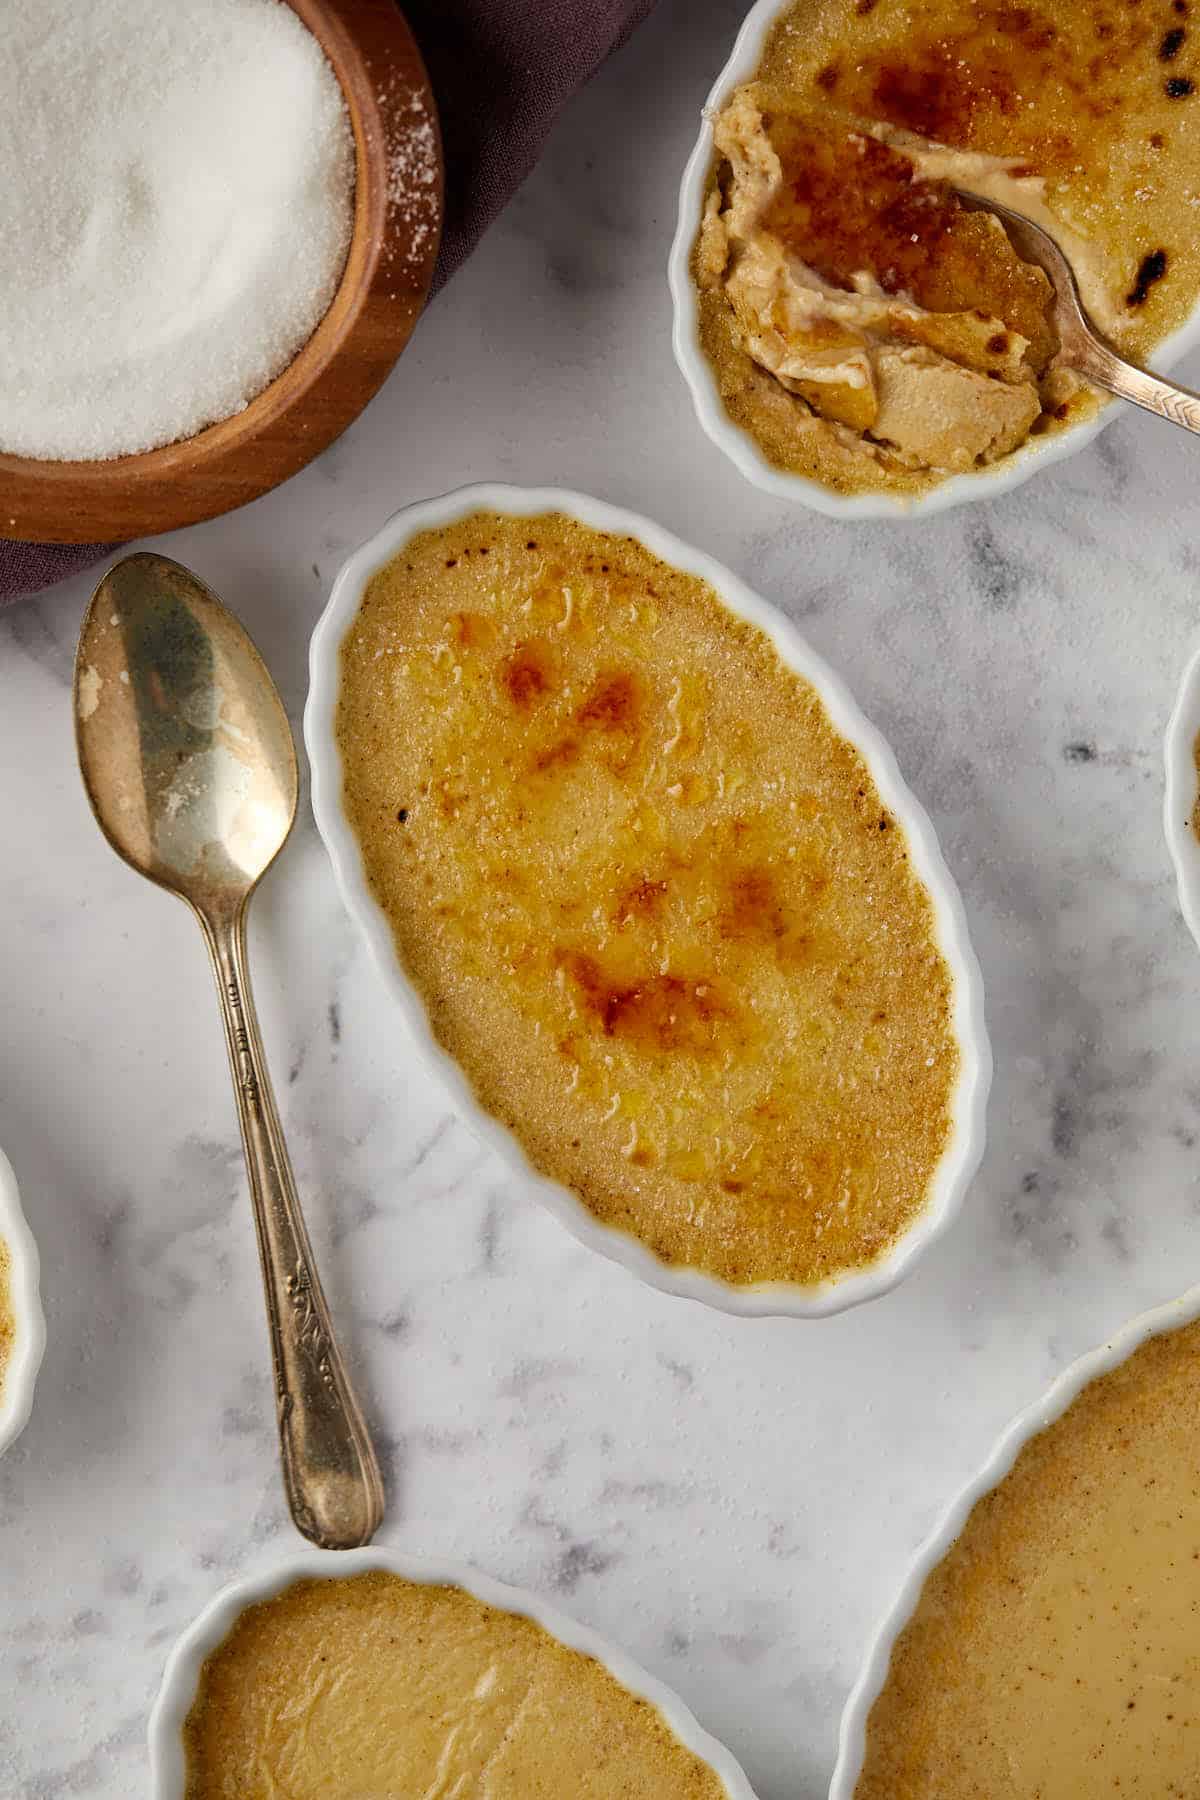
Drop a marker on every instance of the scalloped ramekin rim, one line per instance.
(1051, 1405)
(29, 1322)
(1180, 792)
(1010, 472)
(182, 1671)
(962, 1156)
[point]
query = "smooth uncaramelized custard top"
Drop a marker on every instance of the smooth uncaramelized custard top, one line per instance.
(1083, 112)
(376, 1688)
(1055, 1651)
(650, 896)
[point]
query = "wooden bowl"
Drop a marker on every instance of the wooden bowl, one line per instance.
(397, 228)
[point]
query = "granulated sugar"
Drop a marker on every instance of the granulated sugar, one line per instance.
(175, 213)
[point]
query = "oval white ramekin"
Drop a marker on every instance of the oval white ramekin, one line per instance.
(29, 1324)
(182, 1673)
(966, 1147)
(1182, 788)
(852, 1738)
(737, 444)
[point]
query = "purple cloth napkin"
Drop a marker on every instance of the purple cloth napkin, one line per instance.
(502, 71)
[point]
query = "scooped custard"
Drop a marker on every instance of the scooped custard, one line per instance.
(867, 330)
(372, 1687)
(650, 896)
(1055, 1651)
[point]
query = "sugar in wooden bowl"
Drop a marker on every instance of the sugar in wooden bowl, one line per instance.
(220, 225)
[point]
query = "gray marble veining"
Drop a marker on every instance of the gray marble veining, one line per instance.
(732, 1501)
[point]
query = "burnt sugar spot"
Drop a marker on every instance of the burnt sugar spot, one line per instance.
(929, 100)
(667, 1014)
(1179, 87)
(827, 78)
(529, 674)
(613, 703)
(1172, 44)
(610, 715)
(560, 753)
(1152, 268)
(642, 899)
(471, 631)
(754, 911)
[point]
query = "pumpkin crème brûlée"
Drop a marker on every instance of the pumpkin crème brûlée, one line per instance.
(1055, 1650)
(650, 897)
(867, 330)
(372, 1687)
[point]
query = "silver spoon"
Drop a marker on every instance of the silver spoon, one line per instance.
(1082, 347)
(189, 764)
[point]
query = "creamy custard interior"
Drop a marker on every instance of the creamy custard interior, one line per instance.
(864, 328)
(1055, 1651)
(650, 896)
(376, 1688)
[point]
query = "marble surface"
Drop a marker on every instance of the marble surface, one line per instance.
(733, 1501)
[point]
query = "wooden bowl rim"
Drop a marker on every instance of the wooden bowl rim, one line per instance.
(386, 280)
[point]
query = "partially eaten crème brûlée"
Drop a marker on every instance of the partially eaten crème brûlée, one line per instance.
(372, 1687)
(864, 328)
(650, 897)
(1054, 1653)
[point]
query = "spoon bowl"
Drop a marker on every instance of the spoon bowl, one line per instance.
(184, 745)
(189, 764)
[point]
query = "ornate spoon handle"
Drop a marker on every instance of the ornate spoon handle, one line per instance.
(1081, 346)
(1094, 359)
(330, 1472)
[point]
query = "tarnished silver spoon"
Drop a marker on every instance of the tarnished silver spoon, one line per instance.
(189, 764)
(1082, 346)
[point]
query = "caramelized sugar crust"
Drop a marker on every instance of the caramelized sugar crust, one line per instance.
(852, 203)
(1055, 1650)
(1098, 97)
(361, 1687)
(651, 898)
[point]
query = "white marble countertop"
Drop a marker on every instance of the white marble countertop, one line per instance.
(734, 1502)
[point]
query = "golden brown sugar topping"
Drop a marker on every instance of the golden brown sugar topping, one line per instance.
(1098, 99)
(650, 896)
(372, 1685)
(1084, 114)
(971, 77)
(1054, 1650)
